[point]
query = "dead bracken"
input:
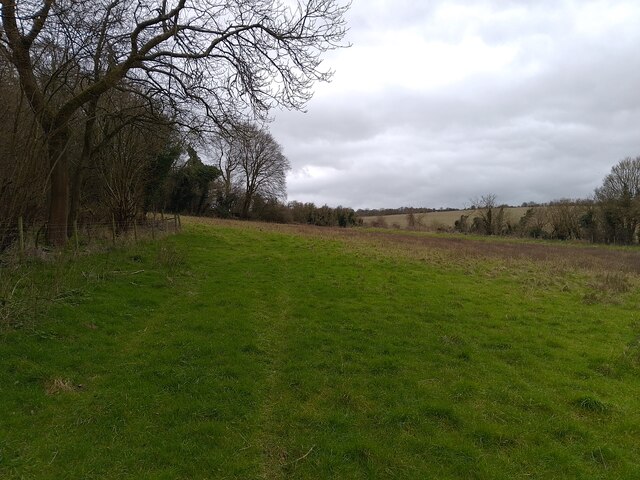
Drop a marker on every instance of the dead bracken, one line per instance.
(60, 385)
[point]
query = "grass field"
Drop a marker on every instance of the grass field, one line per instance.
(252, 351)
(445, 219)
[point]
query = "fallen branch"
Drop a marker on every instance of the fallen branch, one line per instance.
(302, 457)
(117, 272)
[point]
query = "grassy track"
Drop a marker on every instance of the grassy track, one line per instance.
(233, 351)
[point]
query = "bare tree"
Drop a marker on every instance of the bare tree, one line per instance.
(411, 220)
(534, 222)
(564, 218)
(121, 166)
(490, 219)
(224, 150)
(619, 199)
(104, 119)
(206, 58)
(262, 164)
(22, 176)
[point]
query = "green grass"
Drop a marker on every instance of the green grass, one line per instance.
(233, 351)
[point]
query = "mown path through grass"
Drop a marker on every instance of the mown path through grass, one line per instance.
(231, 352)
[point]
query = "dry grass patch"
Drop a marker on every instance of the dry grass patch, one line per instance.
(60, 385)
(462, 249)
(439, 220)
(608, 287)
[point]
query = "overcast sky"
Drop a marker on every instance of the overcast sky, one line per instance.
(437, 102)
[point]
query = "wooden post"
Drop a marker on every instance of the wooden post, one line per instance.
(113, 228)
(166, 226)
(179, 222)
(75, 233)
(21, 234)
(175, 223)
(153, 226)
(162, 215)
(135, 230)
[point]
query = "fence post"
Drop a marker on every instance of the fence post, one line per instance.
(179, 222)
(135, 231)
(166, 226)
(113, 228)
(175, 223)
(153, 226)
(21, 234)
(75, 233)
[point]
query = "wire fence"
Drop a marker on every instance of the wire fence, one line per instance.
(26, 239)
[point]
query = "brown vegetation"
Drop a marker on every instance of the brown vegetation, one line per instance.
(433, 221)
(60, 385)
(461, 248)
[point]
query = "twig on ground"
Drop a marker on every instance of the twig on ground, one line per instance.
(302, 457)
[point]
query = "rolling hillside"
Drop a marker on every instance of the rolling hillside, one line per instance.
(435, 220)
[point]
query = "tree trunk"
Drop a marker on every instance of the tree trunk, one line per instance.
(203, 198)
(85, 156)
(59, 203)
(246, 204)
(76, 191)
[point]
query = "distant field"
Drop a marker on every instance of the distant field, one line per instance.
(242, 351)
(434, 220)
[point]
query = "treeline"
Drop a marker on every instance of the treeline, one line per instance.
(121, 145)
(612, 216)
(249, 175)
(274, 210)
(563, 219)
(127, 159)
(107, 108)
(377, 212)
(323, 216)
(382, 212)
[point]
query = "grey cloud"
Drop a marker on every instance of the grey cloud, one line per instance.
(525, 135)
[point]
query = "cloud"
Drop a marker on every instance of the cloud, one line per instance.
(439, 103)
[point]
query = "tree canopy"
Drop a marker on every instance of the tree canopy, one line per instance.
(192, 64)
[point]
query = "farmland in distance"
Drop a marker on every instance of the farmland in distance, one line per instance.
(439, 220)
